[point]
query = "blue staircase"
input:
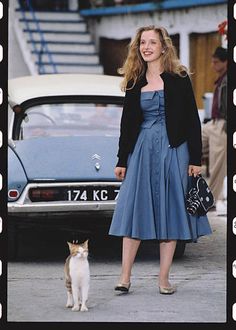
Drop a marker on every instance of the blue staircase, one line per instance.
(59, 42)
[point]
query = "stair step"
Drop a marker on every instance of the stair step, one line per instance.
(62, 37)
(55, 26)
(70, 58)
(98, 69)
(63, 42)
(54, 21)
(68, 53)
(68, 64)
(55, 32)
(53, 15)
(76, 47)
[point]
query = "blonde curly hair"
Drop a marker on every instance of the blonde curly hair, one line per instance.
(134, 66)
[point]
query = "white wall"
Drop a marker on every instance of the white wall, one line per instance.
(16, 64)
(185, 21)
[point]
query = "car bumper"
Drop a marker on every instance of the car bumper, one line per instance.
(45, 207)
(23, 206)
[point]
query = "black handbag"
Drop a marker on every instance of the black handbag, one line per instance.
(199, 198)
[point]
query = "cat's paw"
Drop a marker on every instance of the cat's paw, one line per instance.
(84, 308)
(76, 308)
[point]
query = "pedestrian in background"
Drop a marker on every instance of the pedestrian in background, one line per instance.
(159, 147)
(214, 138)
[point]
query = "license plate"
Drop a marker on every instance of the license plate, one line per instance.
(93, 194)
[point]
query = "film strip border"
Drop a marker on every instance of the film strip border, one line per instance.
(3, 157)
(231, 165)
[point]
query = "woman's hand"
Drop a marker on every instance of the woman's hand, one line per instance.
(194, 170)
(120, 173)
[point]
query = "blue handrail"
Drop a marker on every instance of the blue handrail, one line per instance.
(43, 44)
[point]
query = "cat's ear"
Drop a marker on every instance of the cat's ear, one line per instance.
(70, 245)
(86, 243)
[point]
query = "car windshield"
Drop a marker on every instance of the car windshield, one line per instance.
(71, 119)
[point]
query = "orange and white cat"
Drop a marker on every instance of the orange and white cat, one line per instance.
(77, 276)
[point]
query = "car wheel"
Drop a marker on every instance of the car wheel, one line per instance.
(180, 248)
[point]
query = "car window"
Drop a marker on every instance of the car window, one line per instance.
(72, 119)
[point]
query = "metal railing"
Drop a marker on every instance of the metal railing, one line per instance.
(43, 43)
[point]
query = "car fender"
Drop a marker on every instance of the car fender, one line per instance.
(17, 179)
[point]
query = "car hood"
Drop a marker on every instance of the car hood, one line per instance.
(68, 158)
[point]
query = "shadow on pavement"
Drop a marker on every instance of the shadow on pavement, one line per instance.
(45, 245)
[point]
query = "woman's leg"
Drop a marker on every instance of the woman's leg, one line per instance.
(167, 250)
(129, 251)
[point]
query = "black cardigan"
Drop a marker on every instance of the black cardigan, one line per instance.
(182, 119)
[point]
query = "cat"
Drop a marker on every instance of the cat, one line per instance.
(77, 276)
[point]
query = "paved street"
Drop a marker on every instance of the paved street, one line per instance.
(36, 289)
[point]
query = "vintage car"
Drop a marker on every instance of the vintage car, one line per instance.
(63, 140)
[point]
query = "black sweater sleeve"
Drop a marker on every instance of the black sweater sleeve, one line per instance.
(194, 126)
(123, 150)
(130, 124)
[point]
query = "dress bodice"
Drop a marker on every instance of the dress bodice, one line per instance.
(152, 104)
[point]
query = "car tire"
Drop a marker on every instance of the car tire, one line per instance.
(180, 249)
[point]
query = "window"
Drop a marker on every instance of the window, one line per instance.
(71, 119)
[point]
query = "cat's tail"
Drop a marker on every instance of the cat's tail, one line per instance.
(68, 284)
(67, 275)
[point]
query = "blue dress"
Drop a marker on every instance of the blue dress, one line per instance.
(151, 201)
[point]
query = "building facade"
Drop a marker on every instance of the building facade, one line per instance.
(193, 26)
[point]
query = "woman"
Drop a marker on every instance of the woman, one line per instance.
(159, 147)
